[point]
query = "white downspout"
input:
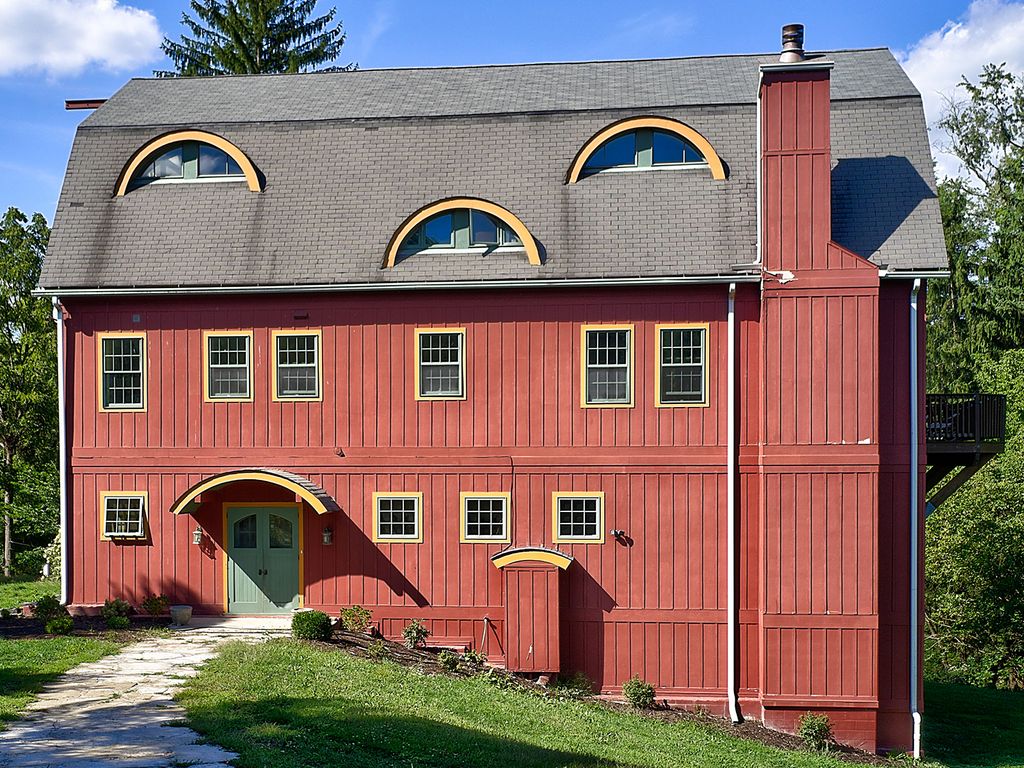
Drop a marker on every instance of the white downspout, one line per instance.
(757, 166)
(914, 517)
(62, 448)
(730, 496)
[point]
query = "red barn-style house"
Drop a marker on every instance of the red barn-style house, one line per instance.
(611, 367)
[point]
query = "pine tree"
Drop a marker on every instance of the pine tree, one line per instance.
(243, 37)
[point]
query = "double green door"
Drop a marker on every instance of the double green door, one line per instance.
(263, 559)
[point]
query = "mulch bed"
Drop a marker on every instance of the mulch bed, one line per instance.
(22, 628)
(425, 660)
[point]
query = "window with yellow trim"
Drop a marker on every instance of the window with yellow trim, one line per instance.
(124, 516)
(485, 517)
(643, 148)
(297, 366)
(123, 372)
(188, 161)
(578, 516)
(682, 373)
(460, 228)
(229, 366)
(608, 365)
(398, 517)
(440, 363)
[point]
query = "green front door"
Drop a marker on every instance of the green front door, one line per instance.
(263, 559)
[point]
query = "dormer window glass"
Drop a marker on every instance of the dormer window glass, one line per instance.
(643, 148)
(463, 228)
(189, 161)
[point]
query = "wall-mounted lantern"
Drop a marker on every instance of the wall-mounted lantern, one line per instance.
(328, 535)
(197, 535)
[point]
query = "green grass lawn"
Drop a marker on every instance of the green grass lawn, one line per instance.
(26, 665)
(285, 703)
(14, 592)
(967, 727)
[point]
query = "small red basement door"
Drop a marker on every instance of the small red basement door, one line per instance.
(532, 580)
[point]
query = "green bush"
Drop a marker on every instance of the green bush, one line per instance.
(448, 661)
(29, 562)
(156, 605)
(53, 555)
(49, 607)
(816, 731)
(378, 651)
(5, 613)
(60, 625)
(116, 607)
(574, 686)
(474, 657)
(311, 625)
(638, 692)
(499, 678)
(415, 634)
(116, 621)
(356, 618)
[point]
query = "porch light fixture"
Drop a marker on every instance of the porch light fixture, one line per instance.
(328, 535)
(197, 535)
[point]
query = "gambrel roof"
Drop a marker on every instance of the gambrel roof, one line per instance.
(346, 157)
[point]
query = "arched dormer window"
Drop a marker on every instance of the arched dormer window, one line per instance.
(184, 156)
(645, 143)
(466, 223)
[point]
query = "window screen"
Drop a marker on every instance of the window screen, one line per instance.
(123, 369)
(229, 366)
(608, 357)
(298, 369)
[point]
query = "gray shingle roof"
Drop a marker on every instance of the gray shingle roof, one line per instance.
(347, 156)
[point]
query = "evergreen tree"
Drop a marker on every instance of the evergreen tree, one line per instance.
(243, 37)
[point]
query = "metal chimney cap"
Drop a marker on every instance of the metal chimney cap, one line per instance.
(792, 43)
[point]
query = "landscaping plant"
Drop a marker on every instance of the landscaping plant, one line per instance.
(156, 605)
(377, 651)
(48, 607)
(448, 661)
(415, 634)
(116, 621)
(474, 657)
(638, 692)
(60, 625)
(816, 731)
(116, 607)
(356, 618)
(311, 625)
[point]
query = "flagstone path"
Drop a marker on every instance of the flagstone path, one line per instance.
(119, 712)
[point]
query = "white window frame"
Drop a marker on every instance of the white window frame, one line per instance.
(208, 336)
(139, 530)
(417, 497)
(318, 363)
(102, 372)
(660, 365)
(419, 364)
(557, 497)
(465, 497)
(586, 367)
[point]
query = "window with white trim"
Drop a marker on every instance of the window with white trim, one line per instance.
(298, 366)
(123, 372)
(229, 368)
(398, 518)
(579, 517)
(124, 517)
(608, 357)
(681, 366)
(441, 369)
(461, 228)
(485, 518)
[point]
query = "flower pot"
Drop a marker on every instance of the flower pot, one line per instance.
(180, 615)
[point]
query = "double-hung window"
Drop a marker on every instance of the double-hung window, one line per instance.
(229, 366)
(440, 363)
(485, 517)
(297, 365)
(682, 374)
(122, 372)
(578, 516)
(607, 366)
(123, 515)
(398, 517)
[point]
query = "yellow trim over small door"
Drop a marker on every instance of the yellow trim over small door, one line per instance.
(532, 556)
(681, 130)
(147, 150)
(233, 477)
(455, 203)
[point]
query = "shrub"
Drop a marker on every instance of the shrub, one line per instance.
(377, 651)
(311, 625)
(5, 613)
(116, 607)
(816, 731)
(474, 657)
(116, 621)
(60, 625)
(49, 607)
(156, 605)
(415, 634)
(30, 562)
(356, 618)
(574, 686)
(448, 661)
(638, 692)
(499, 678)
(53, 555)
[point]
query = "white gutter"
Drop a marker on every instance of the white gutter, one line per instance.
(583, 282)
(730, 504)
(62, 449)
(757, 166)
(914, 517)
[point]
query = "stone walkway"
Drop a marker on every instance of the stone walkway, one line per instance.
(119, 712)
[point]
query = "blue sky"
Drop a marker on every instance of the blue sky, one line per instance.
(56, 49)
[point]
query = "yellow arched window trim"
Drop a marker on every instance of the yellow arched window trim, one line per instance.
(146, 151)
(681, 130)
(508, 218)
(193, 493)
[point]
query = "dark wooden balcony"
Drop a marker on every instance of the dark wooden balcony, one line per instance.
(962, 433)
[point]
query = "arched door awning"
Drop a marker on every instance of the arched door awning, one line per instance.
(308, 491)
(531, 555)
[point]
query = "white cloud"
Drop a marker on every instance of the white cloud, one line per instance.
(63, 37)
(383, 19)
(654, 24)
(991, 31)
